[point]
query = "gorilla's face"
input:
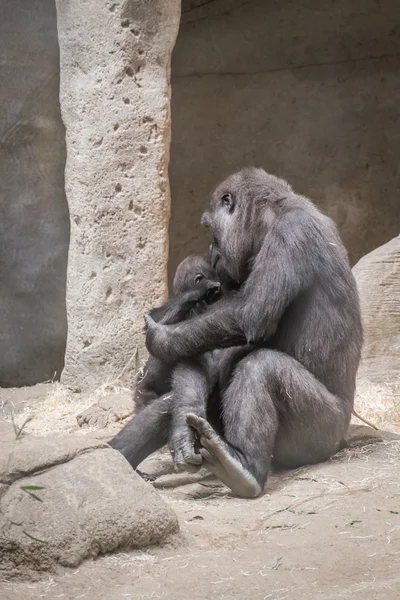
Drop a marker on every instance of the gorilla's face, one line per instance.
(241, 212)
(193, 271)
(230, 219)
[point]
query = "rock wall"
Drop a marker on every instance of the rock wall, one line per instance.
(34, 224)
(308, 90)
(378, 381)
(115, 99)
(378, 281)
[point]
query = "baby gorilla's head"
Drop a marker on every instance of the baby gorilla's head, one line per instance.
(196, 271)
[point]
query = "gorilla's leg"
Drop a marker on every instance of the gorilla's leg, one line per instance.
(192, 384)
(272, 406)
(241, 459)
(147, 432)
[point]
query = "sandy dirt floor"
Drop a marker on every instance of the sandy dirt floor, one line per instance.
(328, 531)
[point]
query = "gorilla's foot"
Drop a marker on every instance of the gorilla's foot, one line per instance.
(182, 446)
(146, 476)
(219, 458)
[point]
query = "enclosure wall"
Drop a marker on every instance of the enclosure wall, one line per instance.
(308, 90)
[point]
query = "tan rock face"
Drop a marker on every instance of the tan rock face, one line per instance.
(64, 499)
(378, 386)
(108, 410)
(378, 281)
(115, 65)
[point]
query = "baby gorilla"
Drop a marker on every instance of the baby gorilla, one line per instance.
(196, 285)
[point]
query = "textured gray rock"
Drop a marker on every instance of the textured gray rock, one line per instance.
(34, 223)
(28, 454)
(378, 380)
(115, 66)
(83, 501)
(378, 280)
(113, 408)
(14, 400)
(360, 435)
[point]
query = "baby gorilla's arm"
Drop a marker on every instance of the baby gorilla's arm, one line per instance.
(177, 308)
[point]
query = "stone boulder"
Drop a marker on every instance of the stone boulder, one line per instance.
(378, 280)
(108, 410)
(64, 499)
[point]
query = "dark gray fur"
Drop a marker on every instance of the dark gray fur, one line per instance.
(288, 392)
(195, 286)
(190, 298)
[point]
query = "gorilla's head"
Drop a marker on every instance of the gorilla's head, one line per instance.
(192, 271)
(241, 211)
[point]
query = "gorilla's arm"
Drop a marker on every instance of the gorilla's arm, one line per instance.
(155, 378)
(216, 328)
(177, 308)
(287, 264)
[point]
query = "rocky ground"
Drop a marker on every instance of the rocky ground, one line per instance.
(327, 531)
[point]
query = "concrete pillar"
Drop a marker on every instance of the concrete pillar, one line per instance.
(115, 104)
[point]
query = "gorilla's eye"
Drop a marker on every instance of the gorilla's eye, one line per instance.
(199, 277)
(227, 200)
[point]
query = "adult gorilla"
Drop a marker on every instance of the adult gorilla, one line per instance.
(289, 393)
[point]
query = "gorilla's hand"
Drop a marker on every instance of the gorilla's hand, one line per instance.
(159, 340)
(218, 327)
(185, 449)
(208, 290)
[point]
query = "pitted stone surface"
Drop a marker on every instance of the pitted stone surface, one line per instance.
(115, 66)
(378, 280)
(66, 498)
